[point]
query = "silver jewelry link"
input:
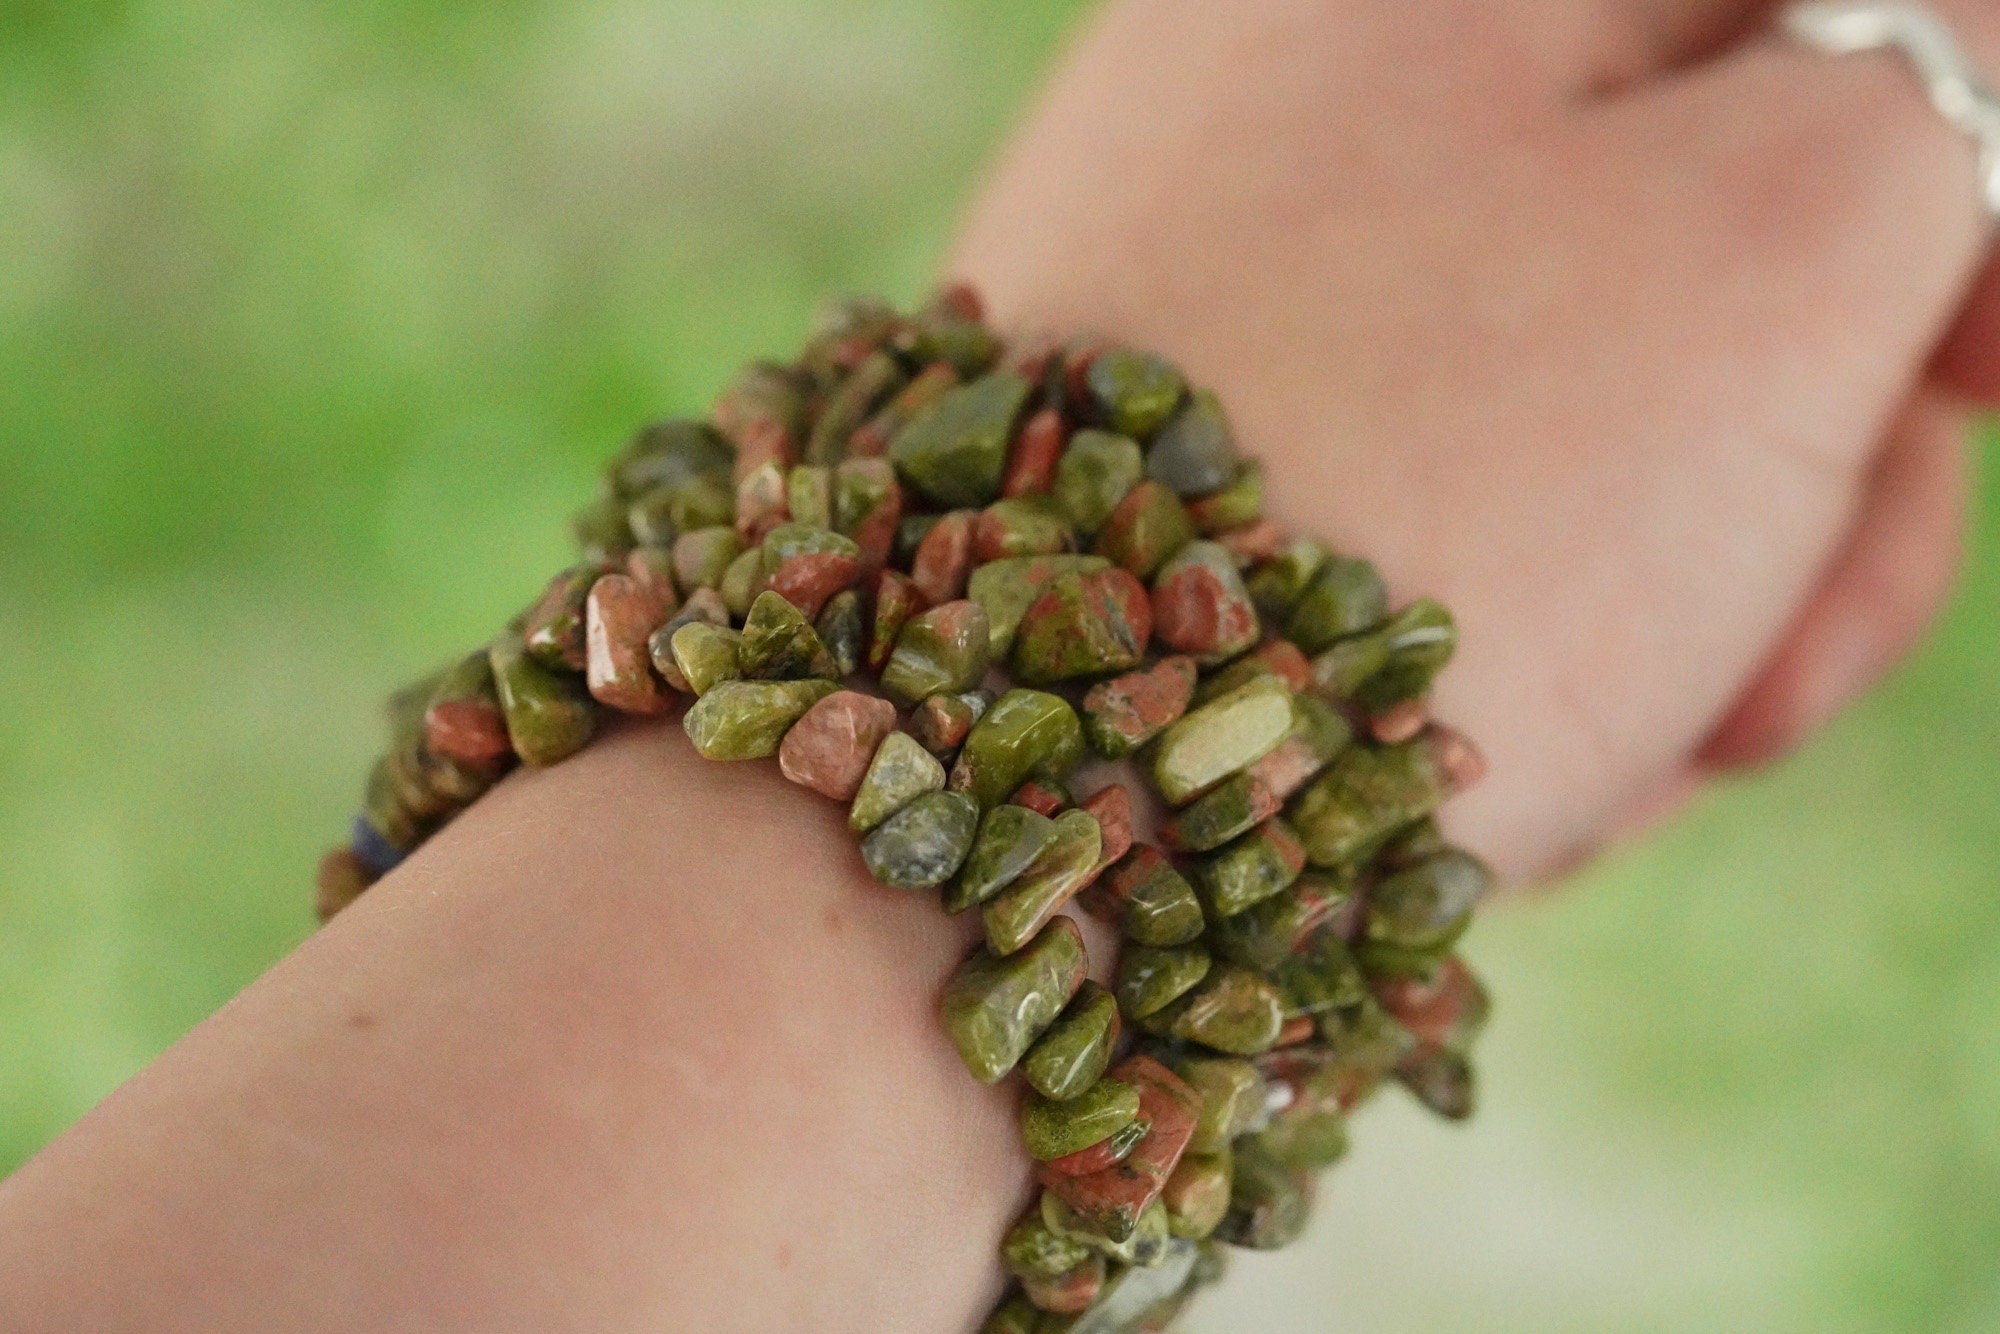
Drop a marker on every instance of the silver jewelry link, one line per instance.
(1953, 83)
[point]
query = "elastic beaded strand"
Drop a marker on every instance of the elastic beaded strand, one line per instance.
(933, 584)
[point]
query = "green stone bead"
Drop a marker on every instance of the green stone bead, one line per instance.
(745, 720)
(1065, 866)
(1083, 625)
(1151, 979)
(743, 581)
(1277, 585)
(1233, 1096)
(1010, 839)
(1007, 588)
(805, 539)
(1428, 906)
(707, 655)
(921, 845)
(1234, 1011)
(1236, 805)
(603, 535)
(668, 454)
(780, 644)
(1095, 473)
(1324, 977)
(1309, 1134)
(1221, 737)
(911, 530)
(1269, 1203)
(700, 502)
(1077, 1049)
(1366, 795)
(1417, 643)
(1032, 1248)
(1150, 901)
(703, 606)
(702, 556)
(1134, 392)
(1345, 597)
(1366, 1043)
(995, 1006)
(1380, 959)
(901, 772)
(1197, 1195)
(955, 451)
(553, 628)
(861, 490)
(941, 651)
(1201, 607)
(1146, 529)
(1256, 866)
(1022, 526)
(1237, 505)
(1052, 1129)
(1442, 1081)
(549, 714)
(1264, 934)
(1194, 453)
(844, 630)
(850, 404)
(650, 518)
(1126, 712)
(809, 495)
(1026, 734)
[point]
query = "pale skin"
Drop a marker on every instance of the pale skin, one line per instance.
(1645, 342)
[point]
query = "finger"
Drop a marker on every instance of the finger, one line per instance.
(1969, 361)
(1885, 586)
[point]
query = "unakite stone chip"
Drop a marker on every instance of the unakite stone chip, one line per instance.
(844, 631)
(667, 454)
(1065, 866)
(780, 644)
(1134, 392)
(1429, 905)
(1256, 866)
(1227, 734)
(1083, 625)
(1149, 901)
(1071, 1056)
(1052, 1129)
(1194, 453)
(746, 720)
(1148, 526)
(1233, 1097)
(1197, 1195)
(549, 715)
(602, 534)
(700, 557)
(1262, 935)
(921, 845)
(1344, 597)
(553, 628)
(1311, 1133)
(1021, 526)
(1010, 839)
(1440, 1080)
(1237, 505)
(743, 581)
(1277, 585)
(995, 1006)
(1006, 588)
(804, 539)
(1364, 796)
(955, 451)
(707, 655)
(1026, 734)
(1151, 979)
(809, 495)
(1201, 607)
(940, 651)
(1134, 1295)
(1234, 1011)
(1032, 1247)
(1324, 975)
(1269, 1202)
(703, 606)
(1236, 805)
(1127, 711)
(901, 772)
(1417, 642)
(1094, 474)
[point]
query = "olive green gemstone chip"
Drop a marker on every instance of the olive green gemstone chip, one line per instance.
(1053, 1129)
(1071, 1056)
(921, 845)
(745, 720)
(901, 772)
(1026, 734)
(995, 1006)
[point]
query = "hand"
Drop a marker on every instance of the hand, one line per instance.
(1620, 327)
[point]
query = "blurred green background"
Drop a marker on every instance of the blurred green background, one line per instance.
(314, 320)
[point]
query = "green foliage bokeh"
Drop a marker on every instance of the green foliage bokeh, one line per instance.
(314, 321)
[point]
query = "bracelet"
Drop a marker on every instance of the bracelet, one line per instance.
(837, 569)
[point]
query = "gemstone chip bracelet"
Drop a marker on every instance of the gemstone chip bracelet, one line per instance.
(934, 579)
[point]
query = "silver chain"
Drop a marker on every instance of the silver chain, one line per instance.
(1954, 84)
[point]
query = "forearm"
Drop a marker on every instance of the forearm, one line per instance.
(635, 1043)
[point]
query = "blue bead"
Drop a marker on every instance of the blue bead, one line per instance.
(374, 851)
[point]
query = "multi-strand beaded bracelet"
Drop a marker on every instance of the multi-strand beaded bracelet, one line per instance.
(903, 520)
